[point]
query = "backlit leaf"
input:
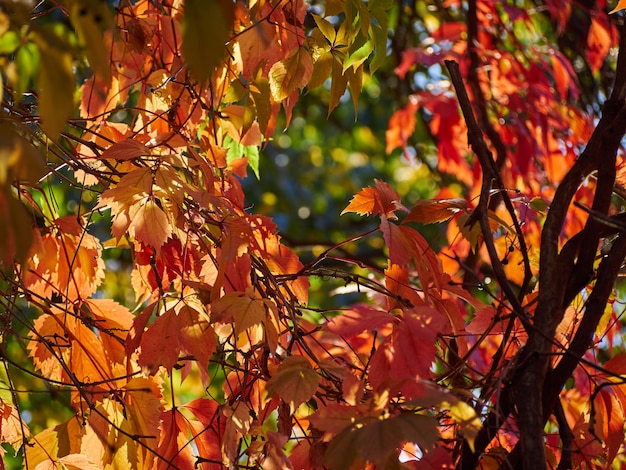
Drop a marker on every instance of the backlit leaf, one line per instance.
(150, 223)
(294, 381)
(621, 5)
(206, 28)
(126, 150)
(290, 74)
(381, 200)
(90, 18)
(56, 82)
(436, 210)
(243, 309)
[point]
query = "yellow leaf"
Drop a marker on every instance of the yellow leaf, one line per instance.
(290, 74)
(206, 29)
(56, 84)
(465, 416)
(90, 18)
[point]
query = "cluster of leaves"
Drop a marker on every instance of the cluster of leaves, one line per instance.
(153, 112)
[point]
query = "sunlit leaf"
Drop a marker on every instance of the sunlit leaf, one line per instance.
(381, 200)
(290, 74)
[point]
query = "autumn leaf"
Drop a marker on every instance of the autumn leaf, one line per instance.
(401, 126)
(90, 18)
(144, 405)
(381, 200)
(206, 23)
(290, 74)
(467, 419)
(377, 440)
(621, 5)
(150, 223)
(159, 343)
(56, 81)
(358, 318)
(125, 150)
(243, 309)
(172, 446)
(294, 381)
(436, 210)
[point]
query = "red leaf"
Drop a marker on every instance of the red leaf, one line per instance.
(359, 318)
(436, 210)
(126, 150)
(401, 126)
(159, 344)
(173, 443)
(381, 200)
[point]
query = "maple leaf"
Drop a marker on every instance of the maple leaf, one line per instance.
(381, 200)
(294, 381)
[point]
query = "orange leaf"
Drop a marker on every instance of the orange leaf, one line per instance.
(159, 343)
(358, 318)
(436, 210)
(143, 405)
(401, 126)
(126, 150)
(378, 439)
(294, 382)
(621, 5)
(243, 309)
(381, 200)
(150, 223)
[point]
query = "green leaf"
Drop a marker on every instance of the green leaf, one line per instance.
(9, 42)
(355, 59)
(355, 82)
(207, 26)
(236, 150)
(27, 62)
(294, 382)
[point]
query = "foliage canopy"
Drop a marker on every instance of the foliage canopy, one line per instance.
(445, 287)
